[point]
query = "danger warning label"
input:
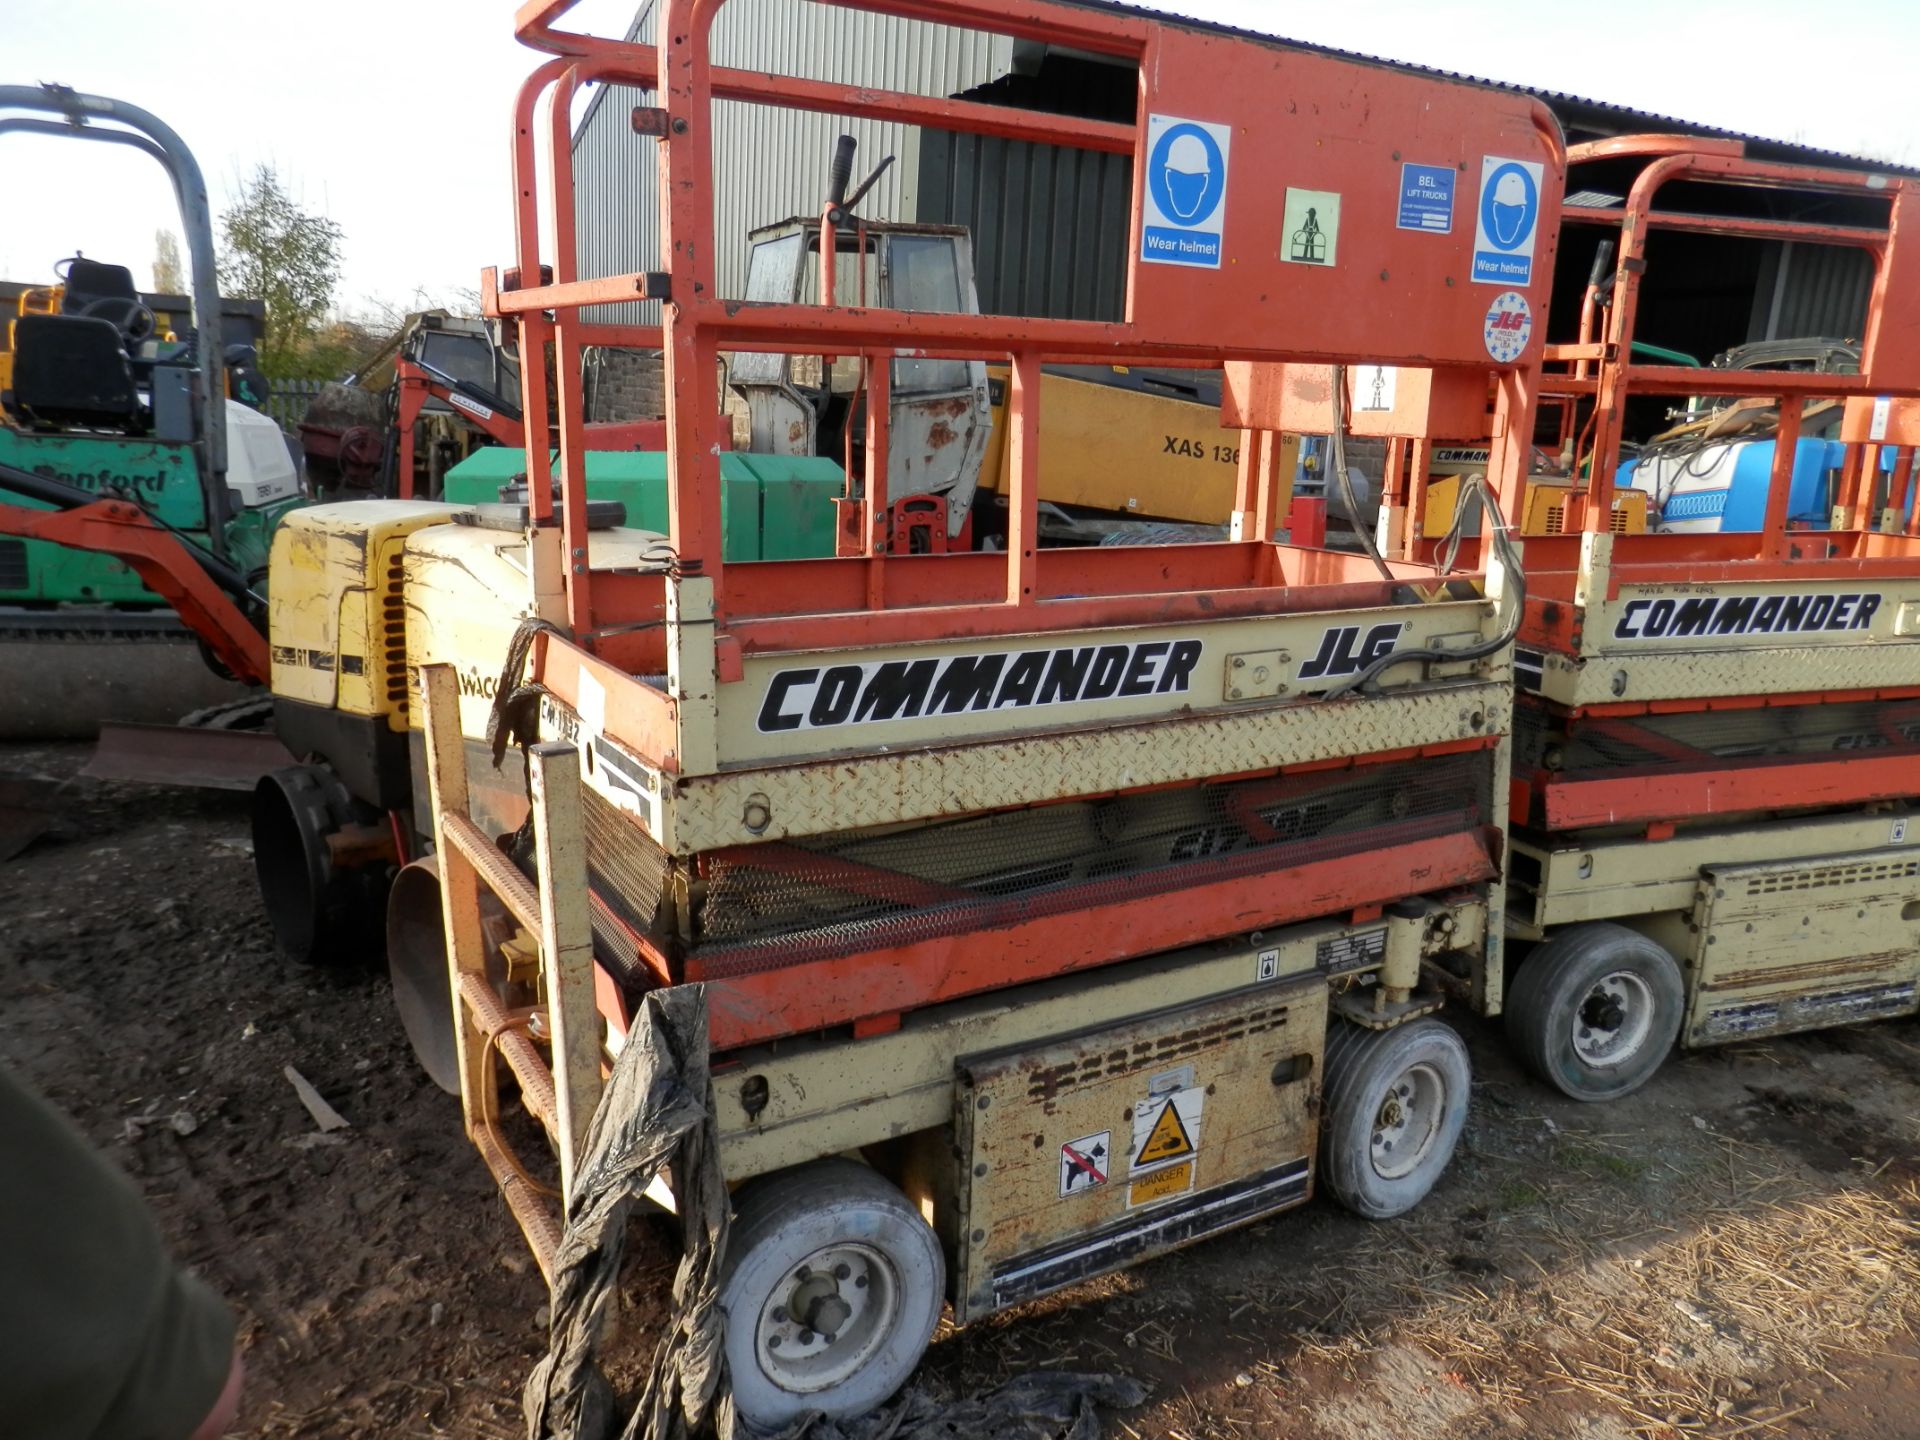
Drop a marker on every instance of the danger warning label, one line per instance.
(1166, 1128)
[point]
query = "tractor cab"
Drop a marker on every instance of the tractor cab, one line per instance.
(939, 417)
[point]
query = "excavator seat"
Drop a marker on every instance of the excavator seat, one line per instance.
(73, 370)
(91, 280)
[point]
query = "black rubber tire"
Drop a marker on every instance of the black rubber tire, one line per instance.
(250, 712)
(1362, 1068)
(781, 1220)
(1545, 1001)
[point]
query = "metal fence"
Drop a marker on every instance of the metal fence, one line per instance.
(287, 401)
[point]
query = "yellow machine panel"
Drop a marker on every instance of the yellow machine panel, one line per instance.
(1125, 1141)
(336, 620)
(36, 300)
(1124, 449)
(1803, 944)
(1545, 510)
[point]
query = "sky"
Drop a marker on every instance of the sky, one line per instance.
(392, 116)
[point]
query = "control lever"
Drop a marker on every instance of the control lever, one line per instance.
(840, 205)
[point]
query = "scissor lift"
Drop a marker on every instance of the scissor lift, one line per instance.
(1717, 733)
(1096, 900)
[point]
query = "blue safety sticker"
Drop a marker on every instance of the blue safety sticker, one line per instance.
(1186, 192)
(1426, 198)
(1507, 222)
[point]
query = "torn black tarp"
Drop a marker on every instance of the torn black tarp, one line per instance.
(657, 1114)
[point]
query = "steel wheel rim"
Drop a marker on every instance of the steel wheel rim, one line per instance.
(1613, 1020)
(1406, 1124)
(827, 1316)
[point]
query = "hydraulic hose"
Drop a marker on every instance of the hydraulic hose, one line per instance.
(1367, 542)
(1475, 487)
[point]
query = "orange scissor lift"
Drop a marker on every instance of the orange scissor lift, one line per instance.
(1096, 900)
(1717, 734)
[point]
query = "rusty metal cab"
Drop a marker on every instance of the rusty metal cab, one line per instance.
(960, 852)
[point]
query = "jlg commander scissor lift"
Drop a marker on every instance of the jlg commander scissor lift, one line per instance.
(1718, 735)
(1053, 907)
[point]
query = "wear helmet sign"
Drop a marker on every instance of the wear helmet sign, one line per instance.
(1186, 192)
(1507, 222)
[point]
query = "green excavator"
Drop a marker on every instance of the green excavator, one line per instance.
(138, 494)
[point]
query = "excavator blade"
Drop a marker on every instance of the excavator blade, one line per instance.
(183, 755)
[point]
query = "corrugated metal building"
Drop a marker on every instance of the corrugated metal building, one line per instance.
(775, 162)
(1050, 225)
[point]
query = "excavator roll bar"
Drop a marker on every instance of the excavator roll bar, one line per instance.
(98, 117)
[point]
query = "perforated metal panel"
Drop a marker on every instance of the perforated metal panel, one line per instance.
(1100, 1150)
(1802, 945)
(765, 906)
(1709, 739)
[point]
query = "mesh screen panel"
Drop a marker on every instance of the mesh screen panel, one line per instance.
(1714, 739)
(628, 875)
(770, 905)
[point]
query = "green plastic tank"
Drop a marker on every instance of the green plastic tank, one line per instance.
(772, 507)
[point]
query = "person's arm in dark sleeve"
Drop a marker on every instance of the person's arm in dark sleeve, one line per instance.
(102, 1336)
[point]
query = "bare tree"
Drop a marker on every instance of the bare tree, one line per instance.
(169, 273)
(276, 252)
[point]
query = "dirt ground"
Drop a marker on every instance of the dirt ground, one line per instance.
(1734, 1251)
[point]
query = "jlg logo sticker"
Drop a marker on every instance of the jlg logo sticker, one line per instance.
(1343, 651)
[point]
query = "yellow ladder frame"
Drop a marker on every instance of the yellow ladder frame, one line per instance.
(556, 911)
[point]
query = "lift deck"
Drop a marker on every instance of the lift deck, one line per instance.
(1716, 732)
(1096, 900)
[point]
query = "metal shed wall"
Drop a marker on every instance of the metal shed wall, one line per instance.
(1806, 290)
(775, 161)
(1049, 224)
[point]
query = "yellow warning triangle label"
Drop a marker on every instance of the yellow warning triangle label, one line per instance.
(1168, 1140)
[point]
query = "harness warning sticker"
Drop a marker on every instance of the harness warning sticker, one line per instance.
(1166, 1128)
(1373, 387)
(1085, 1163)
(1186, 192)
(1310, 229)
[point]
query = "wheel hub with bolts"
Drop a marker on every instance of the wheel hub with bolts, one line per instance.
(1408, 1121)
(827, 1317)
(1614, 1020)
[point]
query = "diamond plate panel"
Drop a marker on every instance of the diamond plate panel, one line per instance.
(707, 812)
(1707, 675)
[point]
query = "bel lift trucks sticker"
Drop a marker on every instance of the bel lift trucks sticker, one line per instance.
(1426, 198)
(1186, 192)
(1507, 222)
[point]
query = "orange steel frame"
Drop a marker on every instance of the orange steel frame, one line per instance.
(764, 613)
(1411, 311)
(1601, 369)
